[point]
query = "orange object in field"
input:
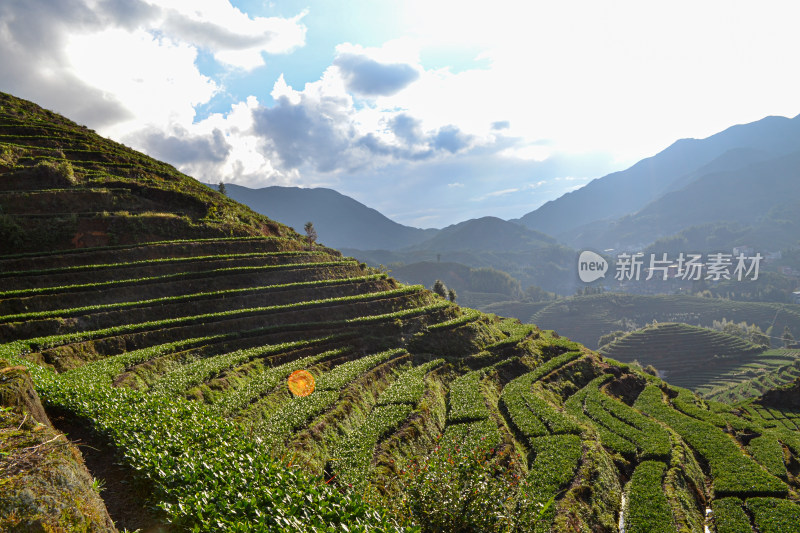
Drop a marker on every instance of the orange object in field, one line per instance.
(301, 383)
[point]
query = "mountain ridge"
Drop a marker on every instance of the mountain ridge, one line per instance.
(340, 221)
(646, 180)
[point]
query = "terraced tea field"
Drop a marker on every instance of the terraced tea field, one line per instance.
(717, 365)
(167, 351)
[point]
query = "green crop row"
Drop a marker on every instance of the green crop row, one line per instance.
(293, 415)
(549, 366)
(169, 277)
(648, 508)
(185, 298)
(466, 401)
(56, 340)
(409, 386)
(576, 405)
(239, 398)
(715, 413)
(600, 420)
(180, 380)
(157, 261)
(354, 453)
(651, 443)
(145, 245)
(531, 415)
(403, 313)
(768, 451)
(729, 516)
(296, 413)
(733, 472)
(552, 468)
(468, 316)
(791, 438)
(343, 374)
(515, 400)
(657, 443)
(207, 472)
(103, 371)
(772, 515)
(470, 435)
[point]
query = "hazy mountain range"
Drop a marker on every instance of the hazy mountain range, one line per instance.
(746, 174)
(689, 169)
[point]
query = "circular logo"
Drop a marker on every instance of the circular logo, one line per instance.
(301, 383)
(591, 266)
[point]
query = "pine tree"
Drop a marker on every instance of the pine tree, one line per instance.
(451, 295)
(311, 234)
(221, 188)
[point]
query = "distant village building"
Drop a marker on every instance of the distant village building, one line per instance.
(796, 295)
(746, 250)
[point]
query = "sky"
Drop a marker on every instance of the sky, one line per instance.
(432, 112)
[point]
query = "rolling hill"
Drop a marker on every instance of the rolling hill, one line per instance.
(340, 221)
(166, 350)
(489, 234)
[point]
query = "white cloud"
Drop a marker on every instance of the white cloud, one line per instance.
(455, 185)
(235, 38)
(154, 78)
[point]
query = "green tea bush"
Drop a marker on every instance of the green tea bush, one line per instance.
(648, 508)
(730, 517)
(460, 489)
(771, 515)
(733, 473)
(466, 401)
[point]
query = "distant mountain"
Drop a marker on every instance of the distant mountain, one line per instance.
(748, 196)
(529, 256)
(340, 221)
(627, 191)
(487, 234)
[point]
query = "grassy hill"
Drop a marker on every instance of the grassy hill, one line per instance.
(167, 351)
(64, 187)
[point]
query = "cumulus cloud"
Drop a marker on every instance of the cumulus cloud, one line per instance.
(33, 62)
(407, 128)
(102, 62)
(366, 76)
(181, 147)
(231, 35)
(302, 134)
(452, 139)
(501, 125)
(324, 129)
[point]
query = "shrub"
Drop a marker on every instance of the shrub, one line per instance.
(458, 489)
(729, 516)
(648, 508)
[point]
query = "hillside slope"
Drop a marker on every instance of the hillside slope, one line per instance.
(173, 358)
